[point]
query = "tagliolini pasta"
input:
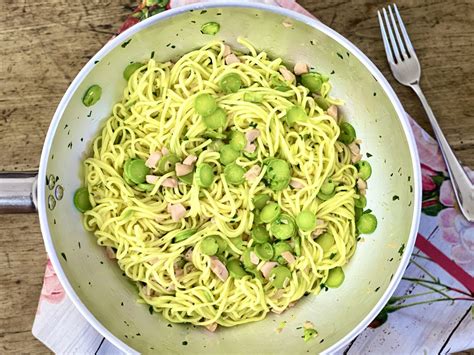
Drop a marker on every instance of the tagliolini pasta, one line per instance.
(225, 185)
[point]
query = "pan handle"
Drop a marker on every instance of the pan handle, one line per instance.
(18, 192)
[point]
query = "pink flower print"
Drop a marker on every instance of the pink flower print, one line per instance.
(427, 181)
(427, 148)
(446, 224)
(293, 5)
(428, 184)
(446, 194)
(463, 257)
(463, 253)
(52, 291)
(457, 231)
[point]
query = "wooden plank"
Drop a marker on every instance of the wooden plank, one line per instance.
(45, 43)
(22, 260)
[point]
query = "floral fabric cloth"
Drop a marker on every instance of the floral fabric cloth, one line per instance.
(52, 291)
(439, 201)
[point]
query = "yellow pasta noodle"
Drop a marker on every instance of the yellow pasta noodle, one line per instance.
(157, 111)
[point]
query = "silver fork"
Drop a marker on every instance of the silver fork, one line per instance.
(406, 69)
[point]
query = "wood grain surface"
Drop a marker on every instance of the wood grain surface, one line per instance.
(45, 43)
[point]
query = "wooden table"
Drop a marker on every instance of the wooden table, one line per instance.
(45, 44)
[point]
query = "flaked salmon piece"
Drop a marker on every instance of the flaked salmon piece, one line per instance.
(177, 211)
(287, 75)
(170, 182)
(219, 269)
(153, 159)
(301, 68)
(267, 268)
(296, 184)
(190, 160)
(212, 327)
(252, 173)
(152, 179)
(183, 169)
(254, 258)
(231, 59)
(110, 253)
(332, 111)
(289, 257)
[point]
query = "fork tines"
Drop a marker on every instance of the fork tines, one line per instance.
(397, 49)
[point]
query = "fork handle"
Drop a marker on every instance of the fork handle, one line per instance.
(463, 188)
